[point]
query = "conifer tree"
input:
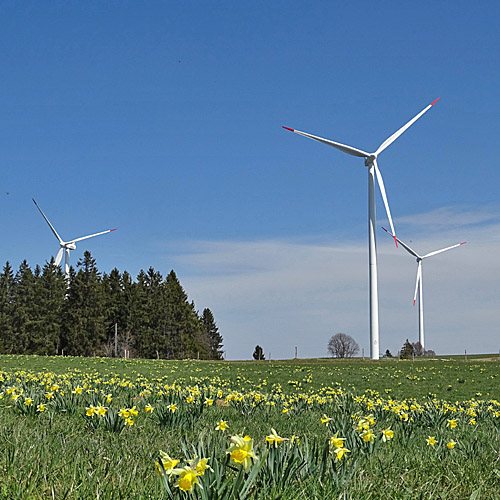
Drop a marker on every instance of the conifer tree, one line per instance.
(7, 343)
(212, 332)
(50, 291)
(84, 328)
(24, 314)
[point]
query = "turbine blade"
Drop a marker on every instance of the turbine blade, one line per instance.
(394, 136)
(59, 256)
(342, 147)
(419, 275)
(384, 197)
(404, 245)
(91, 236)
(442, 250)
(48, 222)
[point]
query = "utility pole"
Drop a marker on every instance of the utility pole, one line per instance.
(295, 352)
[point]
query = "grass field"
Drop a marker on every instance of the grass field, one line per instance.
(80, 428)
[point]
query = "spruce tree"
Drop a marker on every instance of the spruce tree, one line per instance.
(24, 314)
(7, 343)
(212, 332)
(50, 291)
(84, 329)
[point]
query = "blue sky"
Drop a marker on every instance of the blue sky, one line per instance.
(163, 119)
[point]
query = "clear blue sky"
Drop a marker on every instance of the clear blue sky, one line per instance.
(163, 119)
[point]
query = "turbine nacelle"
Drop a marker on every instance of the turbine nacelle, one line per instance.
(370, 160)
(69, 246)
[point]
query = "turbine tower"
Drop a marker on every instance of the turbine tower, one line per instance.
(373, 170)
(419, 286)
(66, 246)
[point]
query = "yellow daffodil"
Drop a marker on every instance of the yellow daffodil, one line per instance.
(148, 408)
(172, 407)
(387, 434)
(40, 408)
(28, 401)
(431, 440)
(167, 462)
(91, 410)
(336, 442)
(451, 424)
(368, 436)
(241, 451)
(273, 438)
(200, 465)
(187, 478)
(124, 413)
(222, 425)
(325, 419)
(450, 445)
(340, 452)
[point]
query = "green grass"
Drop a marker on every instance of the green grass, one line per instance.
(62, 453)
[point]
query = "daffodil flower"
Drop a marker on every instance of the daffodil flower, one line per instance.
(187, 478)
(167, 462)
(431, 440)
(387, 434)
(241, 451)
(221, 426)
(273, 438)
(450, 445)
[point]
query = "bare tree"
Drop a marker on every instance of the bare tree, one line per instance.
(418, 350)
(342, 345)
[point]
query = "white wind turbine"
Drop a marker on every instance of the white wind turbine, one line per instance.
(419, 286)
(371, 163)
(66, 246)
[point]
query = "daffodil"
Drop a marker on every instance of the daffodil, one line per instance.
(340, 452)
(450, 445)
(273, 438)
(451, 423)
(167, 462)
(172, 407)
(387, 434)
(336, 442)
(187, 478)
(124, 413)
(241, 451)
(28, 401)
(40, 408)
(221, 426)
(368, 436)
(325, 419)
(200, 465)
(91, 410)
(148, 408)
(431, 440)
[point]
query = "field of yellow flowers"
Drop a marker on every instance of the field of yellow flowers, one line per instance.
(81, 428)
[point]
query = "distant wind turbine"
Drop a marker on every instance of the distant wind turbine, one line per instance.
(66, 246)
(371, 163)
(419, 286)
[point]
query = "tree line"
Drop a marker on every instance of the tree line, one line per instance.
(96, 313)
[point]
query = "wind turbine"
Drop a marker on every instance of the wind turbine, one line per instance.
(419, 287)
(66, 246)
(371, 163)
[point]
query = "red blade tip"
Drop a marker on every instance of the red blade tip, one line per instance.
(414, 303)
(113, 229)
(463, 243)
(432, 103)
(290, 129)
(396, 241)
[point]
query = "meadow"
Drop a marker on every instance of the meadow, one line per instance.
(81, 428)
